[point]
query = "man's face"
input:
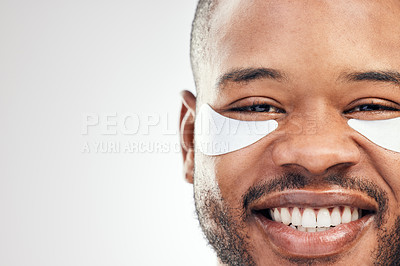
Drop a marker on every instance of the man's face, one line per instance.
(329, 59)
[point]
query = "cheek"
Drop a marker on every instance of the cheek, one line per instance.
(388, 166)
(234, 174)
(238, 171)
(385, 134)
(204, 172)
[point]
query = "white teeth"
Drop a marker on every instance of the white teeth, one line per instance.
(296, 216)
(277, 215)
(346, 216)
(335, 217)
(302, 229)
(354, 215)
(323, 218)
(314, 220)
(285, 215)
(309, 219)
(271, 212)
(312, 229)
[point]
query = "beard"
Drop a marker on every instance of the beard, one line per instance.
(222, 230)
(225, 226)
(388, 251)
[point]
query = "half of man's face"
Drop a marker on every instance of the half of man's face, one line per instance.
(314, 190)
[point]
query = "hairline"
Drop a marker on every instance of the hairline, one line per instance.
(199, 39)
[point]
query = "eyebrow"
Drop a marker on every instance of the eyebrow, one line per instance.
(243, 75)
(381, 76)
(249, 74)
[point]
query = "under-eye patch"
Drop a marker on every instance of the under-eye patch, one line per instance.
(217, 134)
(384, 133)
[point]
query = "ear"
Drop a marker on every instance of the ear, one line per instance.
(186, 129)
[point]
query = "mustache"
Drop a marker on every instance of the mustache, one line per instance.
(298, 181)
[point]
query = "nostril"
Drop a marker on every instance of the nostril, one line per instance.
(316, 157)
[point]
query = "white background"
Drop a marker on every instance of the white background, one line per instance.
(60, 204)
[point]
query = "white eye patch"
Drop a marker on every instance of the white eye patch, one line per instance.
(385, 133)
(217, 134)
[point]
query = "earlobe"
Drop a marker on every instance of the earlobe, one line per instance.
(186, 129)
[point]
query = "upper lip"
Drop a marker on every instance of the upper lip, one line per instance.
(315, 199)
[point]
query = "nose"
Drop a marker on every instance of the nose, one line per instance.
(325, 145)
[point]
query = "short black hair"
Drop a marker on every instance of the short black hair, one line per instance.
(200, 35)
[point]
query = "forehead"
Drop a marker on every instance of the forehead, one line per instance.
(306, 39)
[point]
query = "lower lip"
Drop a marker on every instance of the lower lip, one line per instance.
(296, 243)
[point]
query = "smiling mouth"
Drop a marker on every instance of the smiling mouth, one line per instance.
(304, 223)
(314, 219)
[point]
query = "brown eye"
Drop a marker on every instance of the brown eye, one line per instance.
(258, 108)
(371, 108)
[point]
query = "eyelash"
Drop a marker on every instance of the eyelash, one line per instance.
(375, 107)
(253, 108)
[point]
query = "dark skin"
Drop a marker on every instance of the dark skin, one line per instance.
(335, 60)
